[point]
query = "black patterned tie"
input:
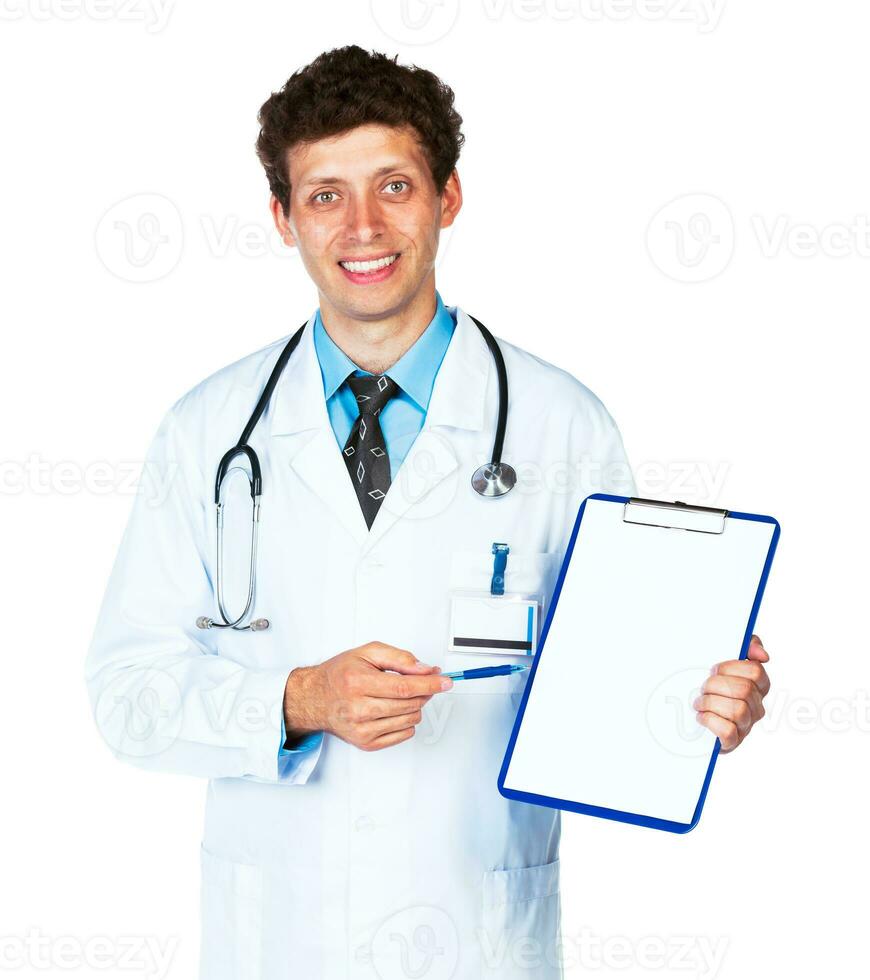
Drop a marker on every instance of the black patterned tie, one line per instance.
(365, 451)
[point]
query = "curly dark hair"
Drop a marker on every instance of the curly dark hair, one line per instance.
(349, 87)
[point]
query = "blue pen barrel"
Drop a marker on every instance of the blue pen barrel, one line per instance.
(485, 672)
(474, 672)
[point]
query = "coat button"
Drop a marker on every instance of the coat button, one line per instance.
(364, 822)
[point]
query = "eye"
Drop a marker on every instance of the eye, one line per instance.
(397, 186)
(318, 198)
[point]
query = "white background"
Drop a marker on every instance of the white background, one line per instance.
(725, 333)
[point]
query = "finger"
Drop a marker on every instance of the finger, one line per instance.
(729, 686)
(757, 651)
(728, 708)
(749, 669)
(385, 657)
(384, 685)
(371, 730)
(726, 731)
(736, 689)
(393, 738)
(373, 708)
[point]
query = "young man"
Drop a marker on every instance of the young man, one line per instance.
(354, 827)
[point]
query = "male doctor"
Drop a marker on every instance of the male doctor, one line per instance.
(353, 825)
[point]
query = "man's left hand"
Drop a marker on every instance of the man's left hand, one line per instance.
(730, 702)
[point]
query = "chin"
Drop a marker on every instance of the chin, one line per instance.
(369, 301)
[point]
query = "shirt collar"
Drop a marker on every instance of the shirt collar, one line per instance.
(415, 370)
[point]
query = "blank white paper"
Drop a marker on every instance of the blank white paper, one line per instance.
(643, 614)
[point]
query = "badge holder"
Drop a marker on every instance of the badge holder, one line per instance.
(495, 622)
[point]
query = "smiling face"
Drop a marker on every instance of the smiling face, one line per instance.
(366, 217)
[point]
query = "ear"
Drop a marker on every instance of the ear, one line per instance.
(451, 199)
(281, 222)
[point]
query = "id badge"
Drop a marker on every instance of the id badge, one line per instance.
(481, 622)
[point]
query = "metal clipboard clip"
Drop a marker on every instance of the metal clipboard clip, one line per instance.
(663, 513)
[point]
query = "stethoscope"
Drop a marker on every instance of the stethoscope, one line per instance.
(493, 479)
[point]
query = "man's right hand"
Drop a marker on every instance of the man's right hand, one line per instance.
(353, 697)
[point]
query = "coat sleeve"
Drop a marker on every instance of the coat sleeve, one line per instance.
(597, 454)
(616, 476)
(162, 696)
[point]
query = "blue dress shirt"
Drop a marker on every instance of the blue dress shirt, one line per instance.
(401, 419)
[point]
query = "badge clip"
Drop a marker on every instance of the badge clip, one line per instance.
(499, 565)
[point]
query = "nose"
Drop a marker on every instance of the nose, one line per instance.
(365, 220)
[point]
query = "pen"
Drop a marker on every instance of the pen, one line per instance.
(470, 675)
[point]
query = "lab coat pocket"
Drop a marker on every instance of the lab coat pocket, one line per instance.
(232, 919)
(521, 923)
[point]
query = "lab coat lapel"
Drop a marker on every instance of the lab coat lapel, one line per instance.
(458, 401)
(299, 408)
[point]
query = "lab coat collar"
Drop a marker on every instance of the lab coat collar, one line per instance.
(414, 372)
(458, 397)
(458, 400)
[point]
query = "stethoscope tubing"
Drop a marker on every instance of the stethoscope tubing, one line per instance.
(490, 475)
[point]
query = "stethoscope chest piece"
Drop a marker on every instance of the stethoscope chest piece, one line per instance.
(494, 480)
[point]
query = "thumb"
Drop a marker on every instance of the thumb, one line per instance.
(386, 657)
(756, 650)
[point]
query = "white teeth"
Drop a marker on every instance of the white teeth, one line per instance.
(369, 266)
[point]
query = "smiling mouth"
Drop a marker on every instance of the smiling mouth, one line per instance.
(369, 265)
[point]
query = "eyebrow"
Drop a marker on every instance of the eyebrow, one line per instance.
(380, 172)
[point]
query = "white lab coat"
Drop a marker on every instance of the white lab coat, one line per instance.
(337, 863)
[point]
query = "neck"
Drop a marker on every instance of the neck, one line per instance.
(375, 344)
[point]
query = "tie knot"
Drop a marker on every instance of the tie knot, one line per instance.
(372, 391)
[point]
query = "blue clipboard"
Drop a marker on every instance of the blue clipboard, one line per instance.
(642, 582)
